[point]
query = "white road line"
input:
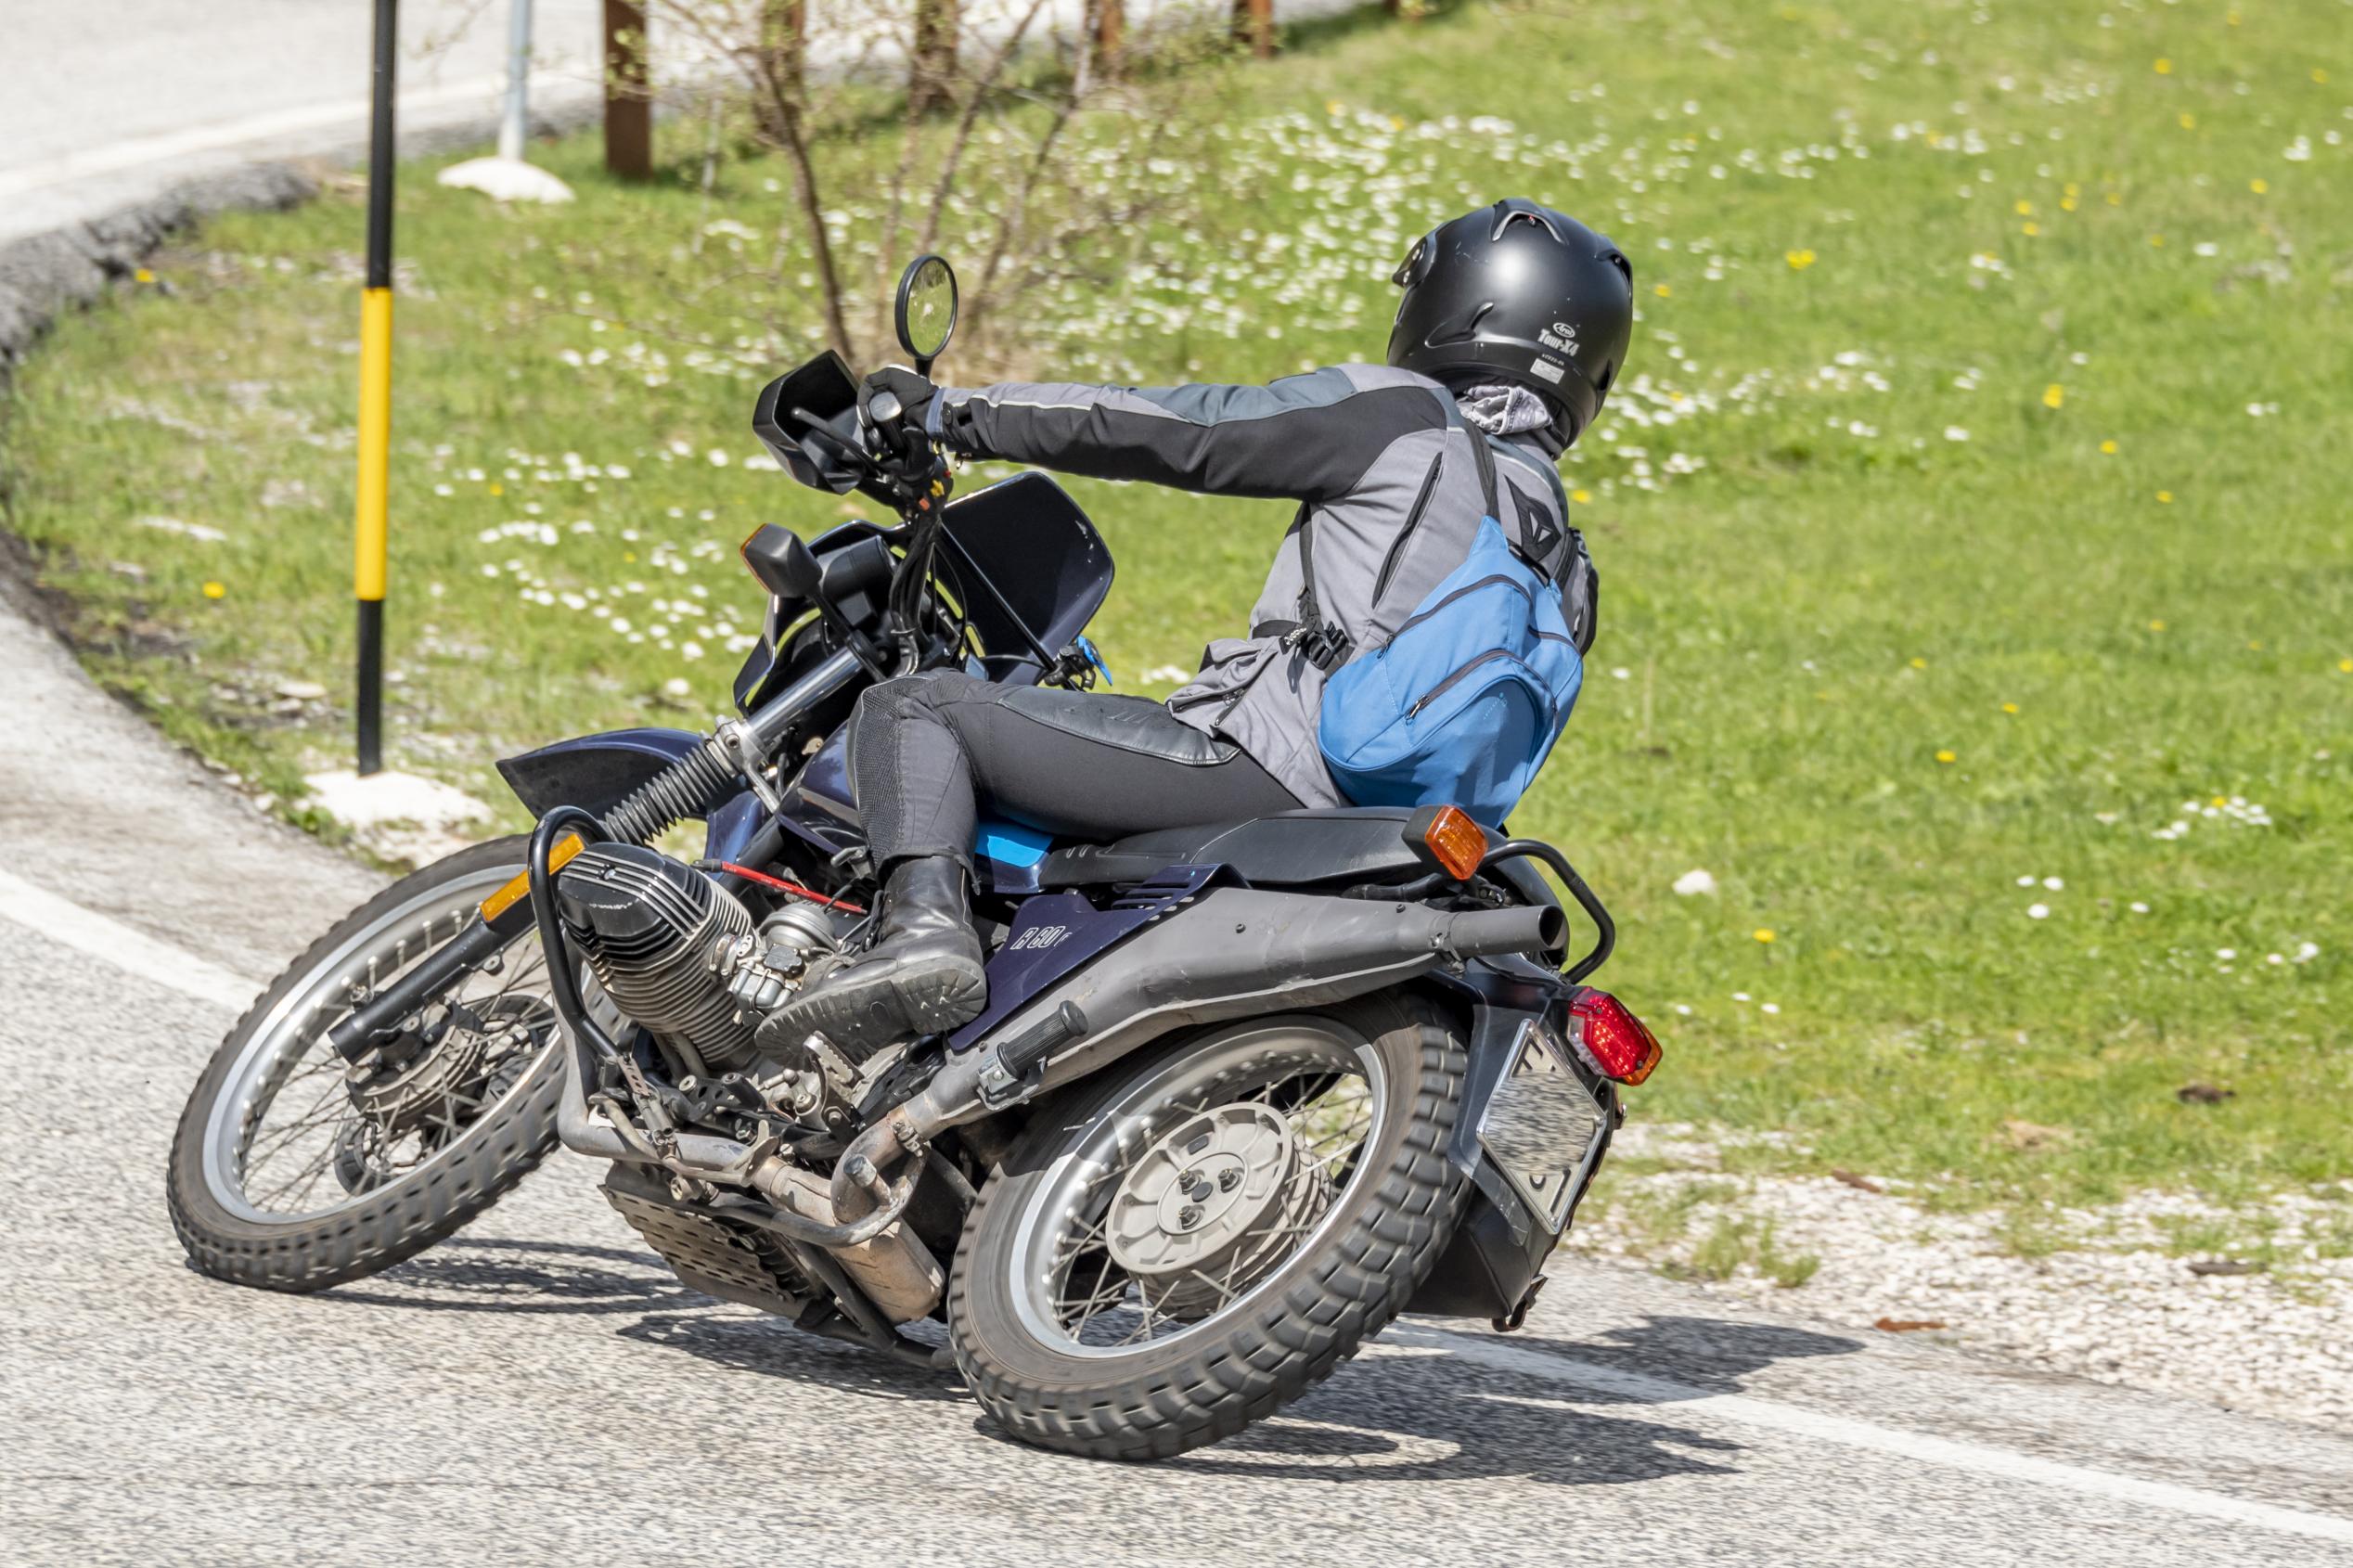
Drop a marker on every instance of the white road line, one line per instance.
(1643, 1389)
(63, 921)
(116, 157)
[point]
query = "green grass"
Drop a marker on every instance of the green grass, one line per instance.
(1868, 676)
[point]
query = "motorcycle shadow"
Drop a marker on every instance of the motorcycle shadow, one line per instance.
(1443, 1417)
(467, 1275)
(750, 1343)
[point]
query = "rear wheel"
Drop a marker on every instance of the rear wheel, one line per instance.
(293, 1170)
(1194, 1239)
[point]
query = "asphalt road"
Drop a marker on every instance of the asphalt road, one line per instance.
(541, 1390)
(102, 106)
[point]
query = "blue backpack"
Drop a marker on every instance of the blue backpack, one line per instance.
(1461, 705)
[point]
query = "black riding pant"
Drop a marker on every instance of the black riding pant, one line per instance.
(930, 752)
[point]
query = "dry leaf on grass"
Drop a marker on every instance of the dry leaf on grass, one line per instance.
(2027, 1137)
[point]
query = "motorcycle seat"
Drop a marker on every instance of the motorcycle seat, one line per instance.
(1288, 849)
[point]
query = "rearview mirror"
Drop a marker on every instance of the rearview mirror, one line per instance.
(926, 310)
(783, 563)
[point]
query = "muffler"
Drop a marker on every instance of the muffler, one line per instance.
(896, 1271)
(1235, 952)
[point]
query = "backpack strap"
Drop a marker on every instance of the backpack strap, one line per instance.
(1325, 645)
(1484, 456)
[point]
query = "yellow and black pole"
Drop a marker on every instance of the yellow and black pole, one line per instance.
(375, 399)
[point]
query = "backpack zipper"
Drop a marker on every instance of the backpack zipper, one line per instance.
(1489, 582)
(1449, 684)
(1390, 562)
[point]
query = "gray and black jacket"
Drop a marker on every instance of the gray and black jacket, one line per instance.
(1390, 492)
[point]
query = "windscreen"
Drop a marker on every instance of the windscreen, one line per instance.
(1028, 568)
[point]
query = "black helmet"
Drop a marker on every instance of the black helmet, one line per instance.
(1518, 292)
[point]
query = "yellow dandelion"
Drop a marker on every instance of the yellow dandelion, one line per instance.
(2030, 229)
(2157, 240)
(142, 275)
(2255, 646)
(1764, 934)
(1663, 290)
(2009, 707)
(2319, 75)
(2108, 448)
(1947, 756)
(1798, 260)
(1395, 124)
(2345, 666)
(2067, 204)
(1919, 663)
(2116, 199)
(2024, 208)
(2230, 18)
(215, 590)
(2164, 66)
(1335, 107)
(2164, 497)
(2189, 121)
(2053, 395)
(2258, 186)
(1580, 497)
(497, 488)
(2073, 188)
(2156, 625)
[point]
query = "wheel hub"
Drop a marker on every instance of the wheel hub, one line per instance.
(403, 1098)
(1212, 1207)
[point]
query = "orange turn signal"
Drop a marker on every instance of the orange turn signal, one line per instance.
(1449, 839)
(559, 854)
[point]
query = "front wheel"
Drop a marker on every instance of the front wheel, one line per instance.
(294, 1170)
(1190, 1241)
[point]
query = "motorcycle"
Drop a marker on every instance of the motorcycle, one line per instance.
(1241, 1094)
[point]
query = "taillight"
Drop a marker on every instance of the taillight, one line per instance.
(1619, 1042)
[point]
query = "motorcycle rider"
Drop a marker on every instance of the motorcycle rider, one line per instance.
(1514, 323)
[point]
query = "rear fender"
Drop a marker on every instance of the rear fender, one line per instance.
(1507, 1231)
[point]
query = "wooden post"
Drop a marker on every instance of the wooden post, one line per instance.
(932, 70)
(1255, 23)
(628, 98)
(784, 53)
(1110, 36)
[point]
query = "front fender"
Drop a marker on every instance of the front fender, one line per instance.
(592, 772)
(597, 771)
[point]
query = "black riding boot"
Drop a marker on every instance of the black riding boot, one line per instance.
(922, 974)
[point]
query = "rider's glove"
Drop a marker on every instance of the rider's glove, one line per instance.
(915, 393)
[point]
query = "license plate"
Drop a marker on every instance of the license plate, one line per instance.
(1542, 1126)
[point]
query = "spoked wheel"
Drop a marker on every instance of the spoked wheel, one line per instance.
(294, 1170)
(1197, 1238)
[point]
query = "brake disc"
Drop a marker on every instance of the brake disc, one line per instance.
(1213, 1207)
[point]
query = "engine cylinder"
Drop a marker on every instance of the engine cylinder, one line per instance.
(651, 927)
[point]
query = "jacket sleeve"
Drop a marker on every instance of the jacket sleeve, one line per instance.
(1309, 437)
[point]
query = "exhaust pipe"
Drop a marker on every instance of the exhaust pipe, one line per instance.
(1236, 952)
